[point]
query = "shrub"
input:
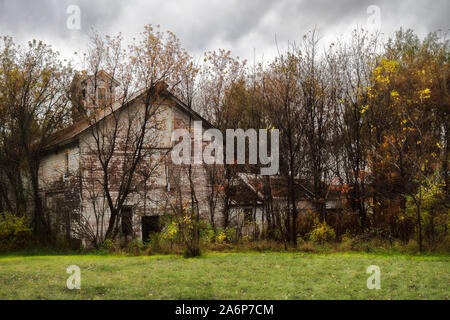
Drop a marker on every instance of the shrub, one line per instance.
(109, 245)
(170, 232)
(307, 247)
(154, 242)
(14, 231)
(306, 223)
(226, 235)
(221, 237)
(321, 233)
(230, 234)
(135, 247)
(207, 234)
(380, 234)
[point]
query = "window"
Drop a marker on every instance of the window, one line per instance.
(166, 173)
(66, 163)
(248, 215)
(101, 95)
(127, 220)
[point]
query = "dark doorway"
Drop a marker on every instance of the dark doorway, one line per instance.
(127, 221)
(150, 224)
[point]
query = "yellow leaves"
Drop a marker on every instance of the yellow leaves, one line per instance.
(424, 94)
(371, 93)
(395, 95)
(377, 70)
(364, 109)
(389, 65)
(386, 65)
(419, 142)
(438, 145)
(221, 237)
(384, 70)
(383, 79)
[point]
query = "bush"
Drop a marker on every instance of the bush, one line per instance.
(226, 235)
(221, 237)
(306, 223)
(154, 242)
(380, 234)
(207, 234)
(14, 232)
(321, 233)
(135, 247)
(109, 245)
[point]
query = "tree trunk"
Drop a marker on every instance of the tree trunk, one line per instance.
(111, 224)
(294, 217)
(419, 221)
(41, 226)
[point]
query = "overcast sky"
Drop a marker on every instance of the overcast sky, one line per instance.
(243, 26)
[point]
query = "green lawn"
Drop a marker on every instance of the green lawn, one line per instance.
(226, 276)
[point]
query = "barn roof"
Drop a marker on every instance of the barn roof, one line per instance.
(68, 135)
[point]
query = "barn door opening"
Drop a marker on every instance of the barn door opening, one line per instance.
(150, 224)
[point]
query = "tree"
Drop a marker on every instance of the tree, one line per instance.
(34, 88)
(284, 108)
(125, 129)
(351, 67)
(219, 75)
(406, 132)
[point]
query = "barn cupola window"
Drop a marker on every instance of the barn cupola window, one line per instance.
(89, 92)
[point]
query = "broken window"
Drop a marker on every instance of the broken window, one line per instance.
(249, 216)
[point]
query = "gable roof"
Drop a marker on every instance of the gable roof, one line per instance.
(70, 134)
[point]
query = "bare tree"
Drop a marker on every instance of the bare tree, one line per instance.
(127, 93)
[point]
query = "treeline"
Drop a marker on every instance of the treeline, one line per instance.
(364, 118)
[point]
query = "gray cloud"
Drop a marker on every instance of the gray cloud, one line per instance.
(206, 25)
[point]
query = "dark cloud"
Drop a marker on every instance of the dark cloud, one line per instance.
(205, 25)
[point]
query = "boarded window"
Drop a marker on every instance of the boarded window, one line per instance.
(101, 95)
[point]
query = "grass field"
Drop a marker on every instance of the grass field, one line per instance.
(226, 276)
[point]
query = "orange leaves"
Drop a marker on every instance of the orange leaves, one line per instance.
(342, 188)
